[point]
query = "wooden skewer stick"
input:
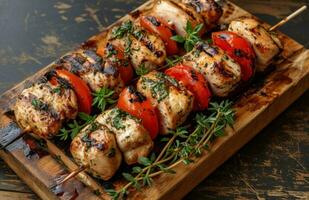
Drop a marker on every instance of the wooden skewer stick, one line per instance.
(288, 18)
(71, 175)
(82, 176)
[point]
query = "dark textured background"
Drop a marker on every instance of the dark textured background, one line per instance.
(274, 165)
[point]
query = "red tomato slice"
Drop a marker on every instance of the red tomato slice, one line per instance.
(116, 54)
(194, 82)
(158, 26)
(131, 101)
(80, 87)
(237, 48)
(125, 69)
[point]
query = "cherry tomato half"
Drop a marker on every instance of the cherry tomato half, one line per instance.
(194, 82)
(80, 87)
(116, 55)
(133, 102)
(237, 48)
(158, 26)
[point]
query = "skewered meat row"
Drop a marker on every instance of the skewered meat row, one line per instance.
(174, 101)
(108, 65)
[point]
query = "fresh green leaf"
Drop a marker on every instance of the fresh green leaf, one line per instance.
(128, 177)
(144, 161)
(103, 98)
(192, 36)
(178, 38)
(136, 169)
(141, 70)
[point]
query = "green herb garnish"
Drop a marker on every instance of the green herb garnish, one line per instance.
(39, 105)
(183, 146)
(121, 31)
(141, 70)
(158, 88)
(192, 37)
(103, 97)
(172, 61)
(118, 117)
(72, 129)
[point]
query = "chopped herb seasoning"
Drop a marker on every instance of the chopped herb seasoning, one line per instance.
(39, 105)
(141, 70)
(124, 29)
(138, 34)
(87, 141)
(158, 88)
(110, 50)
(118, 117)
(171, 80)
(127, 50)
(57, 90)
(172, 61)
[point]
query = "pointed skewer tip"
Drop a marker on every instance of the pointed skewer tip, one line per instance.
(288, 18)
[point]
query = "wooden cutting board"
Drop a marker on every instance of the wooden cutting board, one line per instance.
(255, 109)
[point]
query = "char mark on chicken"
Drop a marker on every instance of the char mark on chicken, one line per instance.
(132, 138)
(42, 108)
(222, 72)
(96, 147)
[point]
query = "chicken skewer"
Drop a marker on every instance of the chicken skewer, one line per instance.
(87, 63)
(141, 88)
(93, 70)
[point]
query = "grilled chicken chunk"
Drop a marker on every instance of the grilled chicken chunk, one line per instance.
(96, 72)
(221, 71)
(208, 9)
(177, 15)
(43, 107)
(173, 101)
(132, 138)
(96, 148)
(265, 44)
(144, 49)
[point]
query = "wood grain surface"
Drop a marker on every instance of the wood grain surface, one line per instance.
(272, 166)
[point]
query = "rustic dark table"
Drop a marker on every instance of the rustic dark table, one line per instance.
(274, 165)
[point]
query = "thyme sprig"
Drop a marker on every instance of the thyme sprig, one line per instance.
(103, 98)
(172, 61)
(192, 37)
(182, 147)
(72, 129)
